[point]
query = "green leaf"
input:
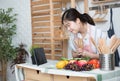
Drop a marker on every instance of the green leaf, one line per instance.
(7, 31)
(63, 58)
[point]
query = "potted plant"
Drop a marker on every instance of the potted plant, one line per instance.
(7, 30)
(21, 56)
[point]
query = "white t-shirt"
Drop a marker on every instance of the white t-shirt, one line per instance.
(93, 32)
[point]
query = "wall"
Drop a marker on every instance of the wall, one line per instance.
(22, 8)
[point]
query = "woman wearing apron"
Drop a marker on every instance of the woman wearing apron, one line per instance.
(81, 27)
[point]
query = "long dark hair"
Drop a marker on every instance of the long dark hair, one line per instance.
(72, 14)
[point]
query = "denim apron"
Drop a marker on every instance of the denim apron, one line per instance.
(110, 33)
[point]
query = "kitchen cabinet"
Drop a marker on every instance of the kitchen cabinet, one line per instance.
(48, 72)
(70, 78)
(35, 75)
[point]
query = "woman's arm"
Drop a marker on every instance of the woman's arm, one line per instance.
(91, 55)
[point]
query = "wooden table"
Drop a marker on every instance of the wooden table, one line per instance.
(48, 72)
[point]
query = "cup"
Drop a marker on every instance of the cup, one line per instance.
(107, 62)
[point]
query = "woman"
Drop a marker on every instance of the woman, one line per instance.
(81, 27)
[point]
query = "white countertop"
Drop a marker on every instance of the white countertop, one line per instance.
(50, 68)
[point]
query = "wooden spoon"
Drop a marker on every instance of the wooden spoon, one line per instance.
(113, 40)
(93, 41)
(102, 45)
(80, 43)
(116, 45)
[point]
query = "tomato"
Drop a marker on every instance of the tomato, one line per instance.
(97, 65)
(94, 62)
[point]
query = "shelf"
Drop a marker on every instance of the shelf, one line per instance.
(104, 1)
(100, 20)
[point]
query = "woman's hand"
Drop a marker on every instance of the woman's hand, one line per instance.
(78, 53)
(79, 50)
(82, 52)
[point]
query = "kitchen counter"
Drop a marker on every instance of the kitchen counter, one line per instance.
(29, 72)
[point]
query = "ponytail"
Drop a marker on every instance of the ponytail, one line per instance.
(87, 18)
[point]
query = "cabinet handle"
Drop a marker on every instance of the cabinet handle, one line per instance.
(37, 71)
(67, 77)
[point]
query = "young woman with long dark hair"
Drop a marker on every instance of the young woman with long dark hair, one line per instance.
(81, 27)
